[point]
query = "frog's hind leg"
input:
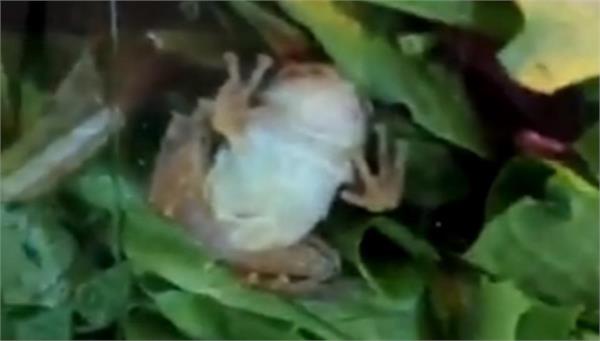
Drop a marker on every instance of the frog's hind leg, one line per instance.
(233, 99)
(382, 191)
(300, 268)
(182, 162)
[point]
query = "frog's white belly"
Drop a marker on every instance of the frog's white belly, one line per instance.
(275, 190)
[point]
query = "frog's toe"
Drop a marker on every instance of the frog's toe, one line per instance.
(263, 63)
(401, 150)
(252, 278)
(232, 63)
(297, 269)
(377, 199)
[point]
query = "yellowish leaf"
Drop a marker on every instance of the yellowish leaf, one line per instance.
(558, 46)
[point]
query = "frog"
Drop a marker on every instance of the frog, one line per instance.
(250, 173)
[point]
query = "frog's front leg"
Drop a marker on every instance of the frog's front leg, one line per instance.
(299, 268)
(381, 191)
(233, 99)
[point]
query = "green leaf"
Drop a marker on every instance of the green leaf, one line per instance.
(45, 57)
(51, 324)
(434, 96)
(591, 90)
(495, 18)
(497, 310)
(7, 328)
(143, 325)
(433, 186)
(348, 243)
(77, 97)
(589, 335)
(416, 44)
(450, 298)
(417, 247)
(558, 46)
(365, 315)
(281, 36)
(545, 322)
(467, 305)
(557, 236)
(587, 147)
(97, 186)
(521, 177)
(36, 254)
(104, 298)
(202, 47)
(7, 106)
(12, 46)
(33, 64)
(428, 186)
(201, 317)
(34, 102)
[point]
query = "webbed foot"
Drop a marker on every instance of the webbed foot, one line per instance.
(382, 191)
(300, 268)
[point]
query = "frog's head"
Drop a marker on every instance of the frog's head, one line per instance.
(320, 102)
